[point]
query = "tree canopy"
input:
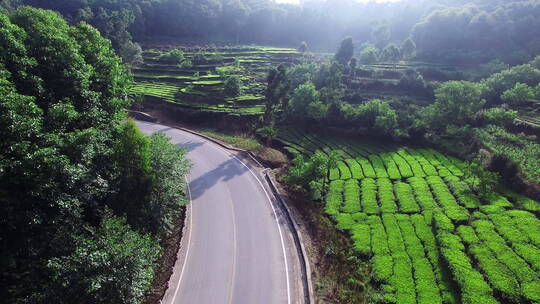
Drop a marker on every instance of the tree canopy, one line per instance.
(83, 195)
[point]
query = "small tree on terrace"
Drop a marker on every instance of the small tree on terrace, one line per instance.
(345, 51)
(408, 49)
(232, 85)
(277, 89)
(303, 47)
(309, 176)
(391, 53)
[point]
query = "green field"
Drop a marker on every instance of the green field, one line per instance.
(428, 237)
(200, 86)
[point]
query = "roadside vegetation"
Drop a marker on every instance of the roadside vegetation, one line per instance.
(86, 198)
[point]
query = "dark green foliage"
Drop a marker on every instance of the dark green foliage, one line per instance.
(277, 89)
(175, 56)
(66, 160)
(455, 103)
(87, 276)
(345, 51)
(309, 176)
(408, 49)
(232, 85)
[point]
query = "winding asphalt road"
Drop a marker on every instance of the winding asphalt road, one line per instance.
(237, 246)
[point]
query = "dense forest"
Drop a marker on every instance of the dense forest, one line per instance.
(452, 31)
(85, 196)
(412, 129)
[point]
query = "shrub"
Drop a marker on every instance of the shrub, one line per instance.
(344, 221)
(379, 240)
(391, 167)
(411, 161)
(422, 193)
(334, 198)
(369, 196)
(369, 172)
(352, 196)
(504, 254)
(382, 267)
(386, 195)
(426, 286)
(442, 222)
(463, 192)
(175, 56)
(355, 168)
(361, 236)
(232, 85)
(474, 288)
(446, 199)
(407, 202)
(344, 172)
(378, 166)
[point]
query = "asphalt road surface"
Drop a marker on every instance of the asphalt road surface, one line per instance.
(237, 248)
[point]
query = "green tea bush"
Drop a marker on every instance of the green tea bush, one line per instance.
(369, 172)
(334, 198)
(407, 202)
(379, 240)
(344, 172)
(422, 193)
(427, 167)
(528, 224)
(352, 196)
(505, 254)
(386, 195)
(378, 166)
(391, 167)
(333, 174)
(463, 192)
(361, 236)
(402, 164)
(467, 234)
(529, 253)
(523, 201)
(402, 279)
(383, 267)
(413, 163)
(356, 169)
(442, 222)
(500, 277)
(474, 289)
(446, 199)
(498, 200)
(426, 284)
(368, 190)
(505, 226)
(344, 221)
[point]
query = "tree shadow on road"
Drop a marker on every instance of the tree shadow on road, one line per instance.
(190, 145)
(224, 172)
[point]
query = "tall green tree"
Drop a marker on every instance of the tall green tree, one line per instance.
(277, 90)
(345, 51)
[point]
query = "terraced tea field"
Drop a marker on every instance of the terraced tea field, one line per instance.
(200, 85)
(428, 237)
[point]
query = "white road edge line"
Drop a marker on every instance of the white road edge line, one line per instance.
(189, 241)
(275, 217)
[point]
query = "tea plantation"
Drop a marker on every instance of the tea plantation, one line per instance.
(198, 81)
(428, 237)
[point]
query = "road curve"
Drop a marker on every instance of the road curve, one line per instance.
(237, 246)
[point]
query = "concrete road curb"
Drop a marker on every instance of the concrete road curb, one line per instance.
(298, 239)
